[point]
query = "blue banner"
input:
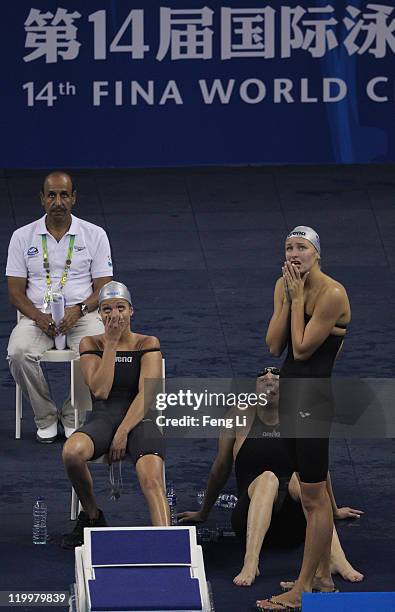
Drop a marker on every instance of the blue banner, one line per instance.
(106, 83)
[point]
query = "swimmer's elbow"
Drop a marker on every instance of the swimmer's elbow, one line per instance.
(99, 387)
(271, 344)
(275, 349)
(100, 393)
(302, 355)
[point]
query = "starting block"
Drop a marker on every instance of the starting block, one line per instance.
(141, 569)
(348, 602)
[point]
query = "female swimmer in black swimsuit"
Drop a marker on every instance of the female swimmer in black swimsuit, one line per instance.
(114, 365)
(311, 312)
(268, 510)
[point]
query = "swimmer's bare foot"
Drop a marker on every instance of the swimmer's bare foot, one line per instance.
(248, 573)
(324, 585)
(346, 570)
(289, 601)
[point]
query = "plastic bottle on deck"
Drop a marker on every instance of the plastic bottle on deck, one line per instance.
(224, 500)
(40, 521)
(172, 501)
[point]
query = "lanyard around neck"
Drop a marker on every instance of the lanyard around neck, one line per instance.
(69, 256)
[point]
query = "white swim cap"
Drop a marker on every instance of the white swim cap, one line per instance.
(302, 231)
(113, 289)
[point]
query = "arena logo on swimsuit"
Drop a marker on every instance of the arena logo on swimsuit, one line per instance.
(124, 359)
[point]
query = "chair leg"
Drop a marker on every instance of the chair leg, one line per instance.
(72, 394)
(18, 411)
(75, 502)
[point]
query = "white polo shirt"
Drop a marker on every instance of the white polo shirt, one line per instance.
(91, 259)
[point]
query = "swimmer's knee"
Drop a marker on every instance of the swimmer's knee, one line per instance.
(269, 478)
(77, 449)
(151, 483)
(266, 480)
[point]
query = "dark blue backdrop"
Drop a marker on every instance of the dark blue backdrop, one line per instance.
(73, 132)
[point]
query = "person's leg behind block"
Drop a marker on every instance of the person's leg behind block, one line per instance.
(146, 448)
(149, 469)
(77, 451)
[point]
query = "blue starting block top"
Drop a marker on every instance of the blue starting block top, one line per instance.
(348, 602)
(140, 547)
(144, 588)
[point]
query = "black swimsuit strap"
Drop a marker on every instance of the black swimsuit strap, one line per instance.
(100, 353)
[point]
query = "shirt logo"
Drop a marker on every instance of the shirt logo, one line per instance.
(109, 262)
(304, 414)
(79, 248)
(124, 359)
(32, 251)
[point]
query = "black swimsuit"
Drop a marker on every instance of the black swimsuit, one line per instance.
(264, 450)
(306, 407)
(106, 415)
(319, 365)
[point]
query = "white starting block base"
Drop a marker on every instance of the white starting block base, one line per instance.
(141, 569)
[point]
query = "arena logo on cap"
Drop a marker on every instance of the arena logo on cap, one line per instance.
(298, 234)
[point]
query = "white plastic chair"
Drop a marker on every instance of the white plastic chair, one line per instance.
(52, 356)
(83, 403)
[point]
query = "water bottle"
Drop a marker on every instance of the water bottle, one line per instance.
(225, 500)
(207, 534)
(40, 521)
(57, 311)
(200, 497)
(172, 501)
(225, 531)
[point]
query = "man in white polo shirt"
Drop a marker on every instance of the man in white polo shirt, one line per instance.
(58, 252)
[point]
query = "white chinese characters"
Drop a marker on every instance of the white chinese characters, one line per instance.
(186, 33)
(313, 33)
(51, 35)
(370, 31)
(204, 33)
